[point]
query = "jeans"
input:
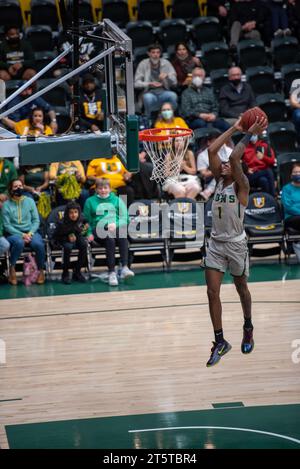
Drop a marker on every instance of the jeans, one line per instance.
(110, 248)
(153, 102)
(4, 245)
(279, 17)
(81, 245)
(17, 245)
(263, 179)
(199, 123)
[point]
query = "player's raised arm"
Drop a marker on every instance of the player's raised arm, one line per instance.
(235, 160)
(213, 149)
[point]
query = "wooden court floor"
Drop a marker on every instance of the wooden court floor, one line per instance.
(140, 354)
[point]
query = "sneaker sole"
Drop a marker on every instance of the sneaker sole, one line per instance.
(247, 353)
(220, 356)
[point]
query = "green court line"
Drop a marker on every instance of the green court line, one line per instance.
(273, 426)
(149, 280)
(223, 405)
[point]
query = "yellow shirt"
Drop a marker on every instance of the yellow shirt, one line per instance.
(69, 167)
(177, 122)
(23, 128)
(108, 168)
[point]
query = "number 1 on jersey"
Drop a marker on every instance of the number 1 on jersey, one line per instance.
(220, 212)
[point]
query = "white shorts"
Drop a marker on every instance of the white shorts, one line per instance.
(233, 256)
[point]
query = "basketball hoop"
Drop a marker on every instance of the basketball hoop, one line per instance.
(166, 148)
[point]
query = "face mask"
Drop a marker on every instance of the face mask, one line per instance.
(18, 192)
(296, 178)
(167, 114)
(197, 81)
(12, 40)
(236, 82)
(253, 138)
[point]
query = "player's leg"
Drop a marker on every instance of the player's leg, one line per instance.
(220, 346)
(245, 297)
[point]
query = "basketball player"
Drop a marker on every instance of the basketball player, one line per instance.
(227, 246)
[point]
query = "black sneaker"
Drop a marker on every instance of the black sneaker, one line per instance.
(217, 352)
(247, 343)
(79, 277)
(66, 279)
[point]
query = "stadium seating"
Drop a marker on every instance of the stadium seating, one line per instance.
(218, 78)
(116, 10)
(151, 10)
(274, 106)
(251, 52)
(40, 37)
(285, 162)
(172, 31)
(289, 73)
(44, 12)
(285, 50)
(206, 29)
(187, 9)
(215, 55)
(141, 33)
(263, 223)
(283, 137)
(261, 79)
(10, 13)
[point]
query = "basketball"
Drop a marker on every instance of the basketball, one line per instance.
(249, 117)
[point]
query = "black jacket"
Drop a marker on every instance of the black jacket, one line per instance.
(67, 226)
(232, 103)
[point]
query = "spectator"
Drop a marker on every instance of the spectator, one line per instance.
(91, 107)
(295, 104)
(246, 20)
(203, 168)
(107, 217)
(4, 247)
(70, 233)
(7, 174)
(184, 63)
(198, 104)
(290, 199)
(154, 77)
(35, 179)
(34, 125)
(21, 223)
(24, 111)
(260, 158)
(187, 183)
(113, 170)
(235, 97)
(167, 120)
(16, 56)
(294, 16)
(69, 179)
(279, 18)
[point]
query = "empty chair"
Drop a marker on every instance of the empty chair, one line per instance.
(206, 29)
(289, 73)
(141, 33)
(40, 37)
(285, 163)
(139, 54)
(263, 222)
(86, 10)
(151, 10)
(285, 50)
(215, 55)
(274, 106)
(10, 13)
(58, 96)
(186, 9)
(116, 10)
(219, 78)
(43, 58)
(282, 136)
(172, 31)
(251, 52)
(261, 79)
(44, 12)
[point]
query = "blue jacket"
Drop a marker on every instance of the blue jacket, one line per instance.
(20, 216)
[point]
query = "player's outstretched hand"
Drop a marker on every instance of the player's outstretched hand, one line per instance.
(259, 126)
(237, 125)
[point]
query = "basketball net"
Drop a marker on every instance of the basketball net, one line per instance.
(166, 149)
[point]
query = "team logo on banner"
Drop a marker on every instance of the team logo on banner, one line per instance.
(183, 207)
(259, 202)
(143, 210)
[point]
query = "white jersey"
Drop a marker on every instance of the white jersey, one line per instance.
(227, 214)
